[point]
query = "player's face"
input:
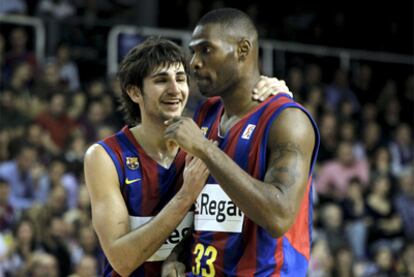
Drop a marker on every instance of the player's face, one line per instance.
(213, 60)
(164, 92)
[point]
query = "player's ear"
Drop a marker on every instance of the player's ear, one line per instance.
(134, 93)
(244, 48)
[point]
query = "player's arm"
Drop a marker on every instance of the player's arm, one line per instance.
(273, 204)
(127, 249)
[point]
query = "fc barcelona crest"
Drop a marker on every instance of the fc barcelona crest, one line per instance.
(132, 162)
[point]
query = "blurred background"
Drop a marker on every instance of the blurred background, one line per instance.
(351, 64)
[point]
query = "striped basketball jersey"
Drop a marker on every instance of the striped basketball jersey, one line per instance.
(146, 188)
(225, 241)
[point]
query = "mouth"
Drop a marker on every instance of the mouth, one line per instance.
(172, 103)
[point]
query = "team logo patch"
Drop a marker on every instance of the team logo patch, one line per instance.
(248, 131)
(204, 130)
(132, 162)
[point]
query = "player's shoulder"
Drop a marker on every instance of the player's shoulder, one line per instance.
(292, 123)
(96, 150)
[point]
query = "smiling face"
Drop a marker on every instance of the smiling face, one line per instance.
(164, 93)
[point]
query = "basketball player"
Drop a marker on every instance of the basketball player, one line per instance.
(139, 189)
(254, 215)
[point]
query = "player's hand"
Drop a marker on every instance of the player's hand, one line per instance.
(185, 133)
(267, 87)
(173, 269)
(195, 176)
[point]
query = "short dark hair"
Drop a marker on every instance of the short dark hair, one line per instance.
(233, 19)
(139, 62)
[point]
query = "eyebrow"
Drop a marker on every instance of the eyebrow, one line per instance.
(165, 74)
(198, 43)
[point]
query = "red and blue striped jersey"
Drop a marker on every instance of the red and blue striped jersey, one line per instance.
(225, 242)
(146, 188)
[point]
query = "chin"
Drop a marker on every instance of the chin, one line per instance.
(166, 116)
(207, 92)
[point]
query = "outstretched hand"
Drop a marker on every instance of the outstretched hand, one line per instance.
(267, 87)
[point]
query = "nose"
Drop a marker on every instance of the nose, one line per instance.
(174, 87)
(195, 62)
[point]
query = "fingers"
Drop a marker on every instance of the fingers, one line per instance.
(188, 159)
(180, 269)
(172, 120)
(267, 87)
(271, 89)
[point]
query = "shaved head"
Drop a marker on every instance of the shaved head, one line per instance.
(233, 21)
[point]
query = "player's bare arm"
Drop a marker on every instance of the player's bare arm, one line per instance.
(127, 249)
(273, 203)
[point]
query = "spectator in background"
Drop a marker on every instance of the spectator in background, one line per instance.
(339, 90)
(41, 265)
(384, 262)
(405, 264)
(68, 70)
(19, 52)
(385, 225)
(408, 99)
(313, 76)
(295, 82)
(22, 248)
(329, 137)
(402, 150)
(347, 133)
(346, 111)
(74, 154)
(7, 214)
(335, 175)
(2, 59)
(369, 114)
(371, 139)
(96, 117)
(388, 92)
(332, 229)
(321, 262)
(404, 202)
(57, 175)
(41, 140)
(390, 117)
(20, 174)
(20, 84)
(81, 215)
(56, 121)
(315, 101)
(53, 241)
(89, 244)
(343, 262)
(381, 163)
(355, 216)
(87, 267)
(363, 84)
(11, 117)
(49, 84)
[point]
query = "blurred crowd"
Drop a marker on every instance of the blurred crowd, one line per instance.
(50, 113)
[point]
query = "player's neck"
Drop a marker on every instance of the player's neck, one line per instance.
(238, 100)
(151, 139)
